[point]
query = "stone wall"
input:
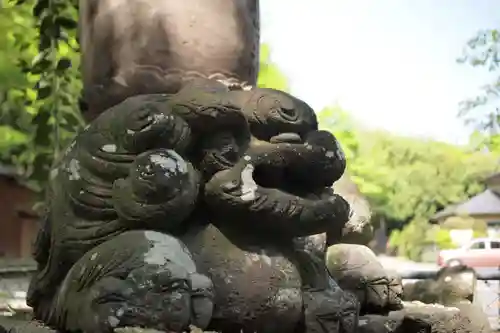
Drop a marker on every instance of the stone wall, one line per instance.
(18, 230)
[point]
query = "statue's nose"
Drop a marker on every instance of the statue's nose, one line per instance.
(286, 138)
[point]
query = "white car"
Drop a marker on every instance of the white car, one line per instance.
(479, 252)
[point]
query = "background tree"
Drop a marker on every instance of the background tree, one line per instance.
(39, 114)
(483, 110)
(270, 76)
(17, 22)
(406, 180)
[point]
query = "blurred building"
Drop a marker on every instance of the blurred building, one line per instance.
(484, 206)
(19, 225)
(18, 221)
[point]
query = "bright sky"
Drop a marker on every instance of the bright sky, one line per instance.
(391, 63)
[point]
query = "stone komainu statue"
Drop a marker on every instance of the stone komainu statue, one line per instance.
(188, 200)
(194, 209)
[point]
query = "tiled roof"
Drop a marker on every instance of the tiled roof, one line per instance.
(485, 203)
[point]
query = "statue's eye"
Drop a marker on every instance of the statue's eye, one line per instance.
(288, 114)
(267, 104)
(282, 106)
(274, 107)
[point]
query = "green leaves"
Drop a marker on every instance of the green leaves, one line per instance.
(15, 27)
(44, 92)
(62, 65)
(270, 75)
(42, 108)
(11, 138)
(406, 180)
(66, 22)
(482, 50)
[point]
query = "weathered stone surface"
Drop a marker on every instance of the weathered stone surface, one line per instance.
(274, 212)
(478, 320)
(140, 330)
(419, 317)
(438, 318)
(143, 330)
(456, 283)
(357, 269)
(243, 204)
(452, 285)
(153, 283)
(271, 113)
(425, 291)
(146, 47)
(380, 324)
(124, 171)
(333, 311)
(14, 326)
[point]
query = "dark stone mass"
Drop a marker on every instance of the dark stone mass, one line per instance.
(169, 211)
